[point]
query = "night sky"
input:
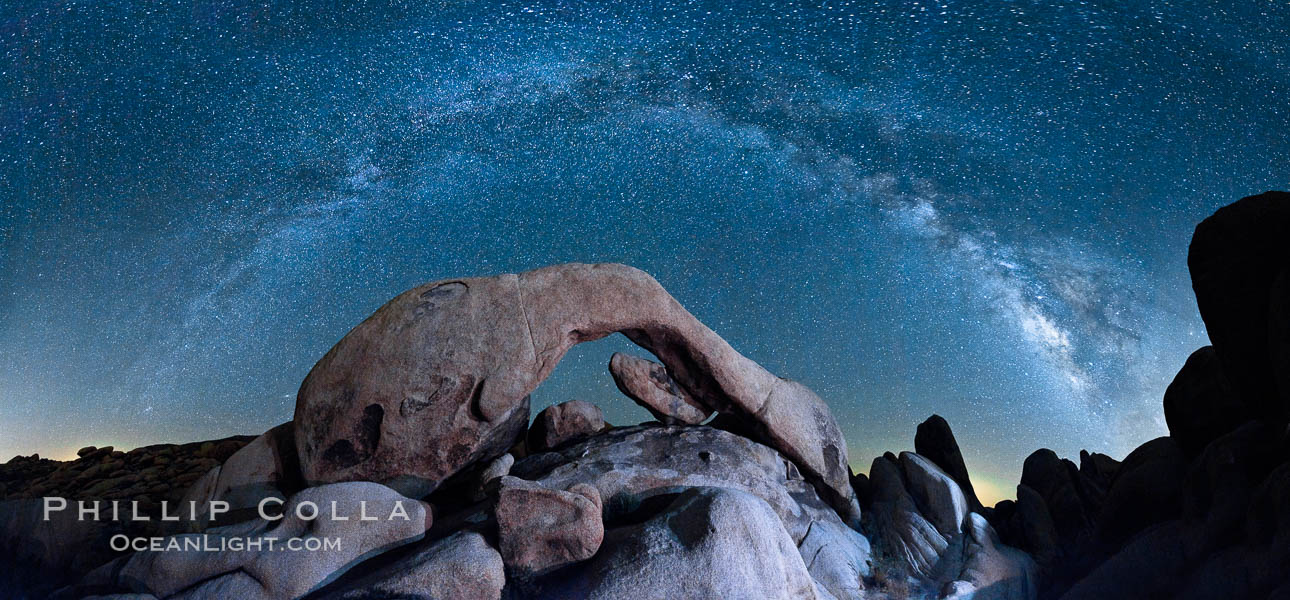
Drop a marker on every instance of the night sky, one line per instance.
(976, 209)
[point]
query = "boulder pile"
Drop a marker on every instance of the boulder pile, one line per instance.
(932, 538)
(439, 378)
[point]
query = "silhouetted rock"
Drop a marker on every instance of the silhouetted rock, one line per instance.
(1056, 481)
(47, 555)
(564, 423)
(1097, 468)
(1035, 526)
(22, 473)
(44, 555)
(1220, 483)
(1197, 515)
(1200, 404)
(1279, 332)
(1150, 566)
(1235, 257)
(1255, 565)
(1147, 490)
(1177, 559)
(860, 483)
(935, 441)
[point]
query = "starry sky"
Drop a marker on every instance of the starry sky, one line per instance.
(976, 209)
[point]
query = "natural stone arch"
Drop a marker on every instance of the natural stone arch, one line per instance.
(439, 377)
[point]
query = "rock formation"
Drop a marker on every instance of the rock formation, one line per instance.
(1201, 513)
(460, 566)
(927, 539)
(738, 515)
(429, 396)
(705, 543)
(564, 423)
(1200, 404)
(630, 505)
(935, 441)
(424, 406)
(629, 465)
(439, 377)
(67, 547)
(540, 529)
(265, 468)
(1235, 258)
(648, 384)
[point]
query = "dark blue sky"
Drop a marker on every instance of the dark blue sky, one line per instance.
(974, 209)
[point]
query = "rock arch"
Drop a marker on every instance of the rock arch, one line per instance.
(449, 366)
